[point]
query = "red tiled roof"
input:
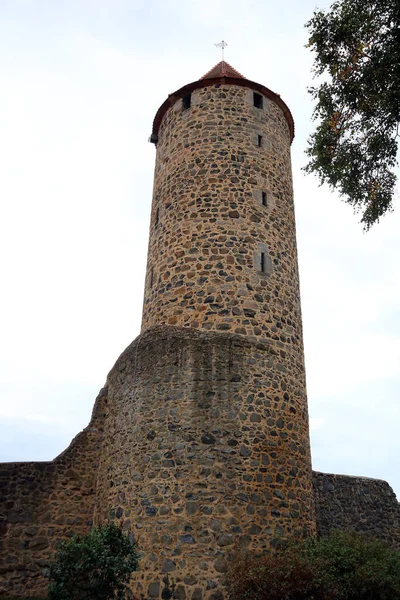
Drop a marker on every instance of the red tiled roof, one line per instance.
(222, 69)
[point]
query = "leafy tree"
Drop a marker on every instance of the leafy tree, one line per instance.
(354, 146)
(361, 568)
(95, 566)
(342, 566)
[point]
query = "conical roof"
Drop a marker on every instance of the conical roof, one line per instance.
(222, 69)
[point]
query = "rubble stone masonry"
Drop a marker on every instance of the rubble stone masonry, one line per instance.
(356, 504)
(42, 503)
(227, 459)
(209, 225)
(208, 448)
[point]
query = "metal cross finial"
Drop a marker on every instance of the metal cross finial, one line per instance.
(221, 45)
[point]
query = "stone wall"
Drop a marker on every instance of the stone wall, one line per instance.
(356, 504)
(42, 503)
(208, 446)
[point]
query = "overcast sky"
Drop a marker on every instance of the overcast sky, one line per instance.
(81, 81)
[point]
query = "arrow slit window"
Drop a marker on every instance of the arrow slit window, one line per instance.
(186, 101)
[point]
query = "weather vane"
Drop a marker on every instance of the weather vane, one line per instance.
(221, 45)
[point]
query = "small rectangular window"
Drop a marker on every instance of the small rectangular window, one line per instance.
(157, 217)
(262, 262)
(258, 100)
(186, 101)
(264, 198)
(259, 141)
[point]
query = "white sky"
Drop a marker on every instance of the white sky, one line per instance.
(81, 81)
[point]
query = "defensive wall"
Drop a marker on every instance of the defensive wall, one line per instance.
(356, 504)
(42, 503)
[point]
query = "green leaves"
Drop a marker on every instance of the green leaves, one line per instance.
(354, 146)
(93, 567)
(342, 566)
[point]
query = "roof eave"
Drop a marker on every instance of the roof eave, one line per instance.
(201, 83)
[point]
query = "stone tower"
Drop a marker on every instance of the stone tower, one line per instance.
(199, 441)
(207, 427)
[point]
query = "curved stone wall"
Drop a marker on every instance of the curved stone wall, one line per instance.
(207, 446)
(220, 200)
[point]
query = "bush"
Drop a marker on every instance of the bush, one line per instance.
(95, 566)
(342, 566)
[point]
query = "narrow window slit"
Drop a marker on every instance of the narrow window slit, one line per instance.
(258, 100)
(186, 101)
(157, 217)
(264, 198)
(151, 278)
(262, 262)
(259, 140)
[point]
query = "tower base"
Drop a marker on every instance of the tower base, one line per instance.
(207, 450)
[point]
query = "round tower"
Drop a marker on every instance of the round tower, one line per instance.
(222, 248)
(207, 426)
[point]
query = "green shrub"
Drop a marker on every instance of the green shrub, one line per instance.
(342, 566)
(95, 566)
